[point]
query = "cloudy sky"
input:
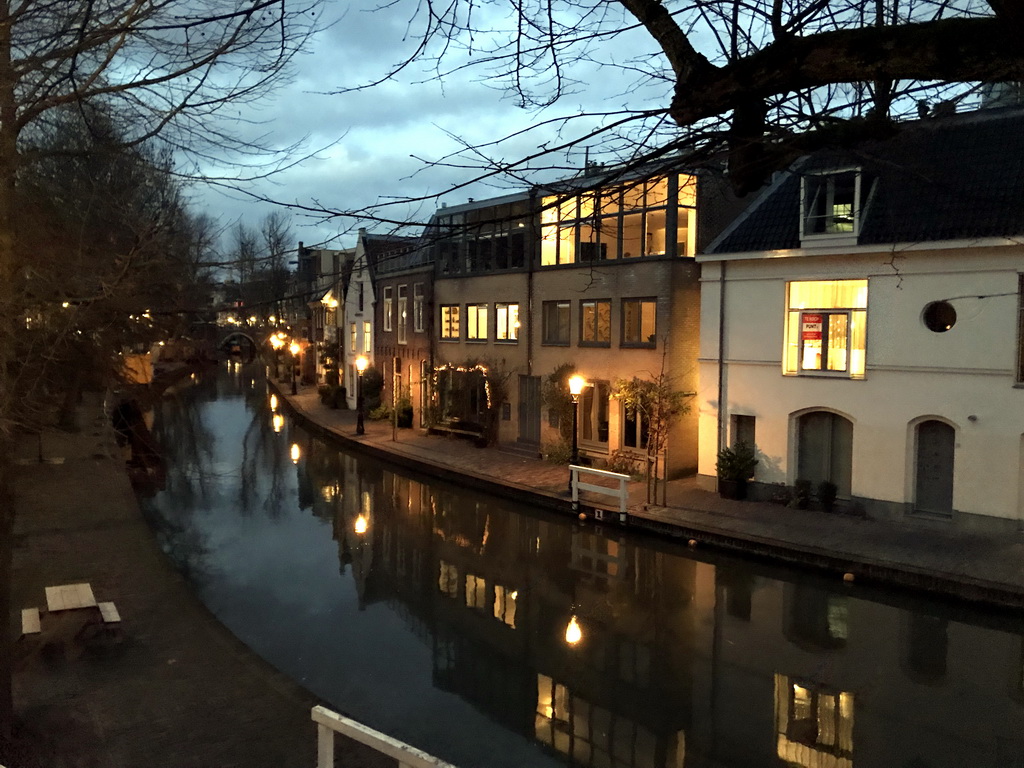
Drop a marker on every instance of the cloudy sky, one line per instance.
(376, 145)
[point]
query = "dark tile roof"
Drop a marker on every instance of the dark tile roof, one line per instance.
(954, 178)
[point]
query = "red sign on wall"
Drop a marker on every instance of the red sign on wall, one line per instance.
(810, 326)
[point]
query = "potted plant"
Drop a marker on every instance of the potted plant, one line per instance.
(827, 492)
(801, 494)
(735, 467)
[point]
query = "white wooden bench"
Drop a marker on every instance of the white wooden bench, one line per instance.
(109, 613)
(29, 623)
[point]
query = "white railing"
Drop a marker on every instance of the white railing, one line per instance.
(328, 723)
(621, 493)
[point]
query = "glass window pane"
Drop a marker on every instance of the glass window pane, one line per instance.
(548, 246)
(657, 192)
(632, 235)
(647, 322)
(633, 197)
(687, 191)
(609, 237)
(567, 245)
(655, 233)
(836, 358)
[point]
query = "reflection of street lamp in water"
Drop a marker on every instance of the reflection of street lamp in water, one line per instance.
(295, 453)
(573, 633)
(361, 524)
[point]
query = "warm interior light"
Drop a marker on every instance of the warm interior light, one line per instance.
(576, 385)
(295, 453)
(361, 524)
(573, 633)
(362, 363)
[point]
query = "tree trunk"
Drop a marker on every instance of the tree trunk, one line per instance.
(10, 313)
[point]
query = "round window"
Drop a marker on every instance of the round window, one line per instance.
(939, 316)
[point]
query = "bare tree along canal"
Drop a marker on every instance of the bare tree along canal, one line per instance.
(494, 635)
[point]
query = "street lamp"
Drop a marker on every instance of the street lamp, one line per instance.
(295, 349)
(576, 385)
(361, 364)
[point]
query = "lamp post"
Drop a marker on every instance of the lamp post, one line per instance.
(576, 385)
(361, 364)
(294, 349)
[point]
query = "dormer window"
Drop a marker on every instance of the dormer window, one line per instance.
(831, 207)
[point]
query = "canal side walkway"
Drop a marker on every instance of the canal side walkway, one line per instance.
(171, 687)
(930, 556)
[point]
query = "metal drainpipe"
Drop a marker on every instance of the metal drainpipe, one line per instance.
(721, 357)
(530, 256)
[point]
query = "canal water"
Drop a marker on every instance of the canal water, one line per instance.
(495, 635)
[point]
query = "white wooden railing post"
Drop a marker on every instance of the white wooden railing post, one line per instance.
(621, 493)
(324, 746)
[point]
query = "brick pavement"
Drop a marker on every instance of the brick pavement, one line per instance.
(932, 556)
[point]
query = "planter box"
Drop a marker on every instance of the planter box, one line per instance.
(732, 489)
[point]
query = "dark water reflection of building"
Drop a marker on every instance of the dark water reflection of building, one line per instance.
(612, 650)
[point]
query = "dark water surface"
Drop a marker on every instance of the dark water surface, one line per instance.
(441, 616)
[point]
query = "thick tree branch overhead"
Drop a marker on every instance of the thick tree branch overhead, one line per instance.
(750, 77)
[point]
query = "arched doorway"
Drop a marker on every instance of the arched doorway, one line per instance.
(933, 483)
(825, 450)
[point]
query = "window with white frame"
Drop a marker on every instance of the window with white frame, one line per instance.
(367, 338)
(354, 338)
(831, 204)
(417, 307)
(450, 322)
(826, 327)
(506, 317)
(476, 322)
(403, 300)
(388, 299)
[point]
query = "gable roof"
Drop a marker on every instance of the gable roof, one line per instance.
(954, 178)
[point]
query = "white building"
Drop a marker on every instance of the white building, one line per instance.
(861, 324)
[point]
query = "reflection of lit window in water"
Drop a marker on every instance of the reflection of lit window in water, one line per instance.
(505, 605)
(595, 736)
(476, 591)
(814, 725)
(448, 580)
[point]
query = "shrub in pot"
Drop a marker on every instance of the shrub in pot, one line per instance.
(827, 492)
(735, 467)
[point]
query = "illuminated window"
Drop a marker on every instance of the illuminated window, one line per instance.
(595, 323)
(388, 300)
(556, 322)
(506, 322)
(354, 337)
(639, 322)
(830, 204)
(367, 338)
(813, 724)
(403, 300)
(826, 327)
(620, 221)
(450, 322)
(476, 322)
(417, 307)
